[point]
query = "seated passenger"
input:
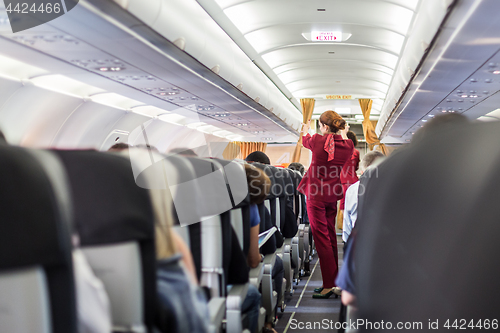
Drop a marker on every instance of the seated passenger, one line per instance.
(259, 186)
(259, 157)
(351, 196)
(345, 278)
(297, 167)
(182, 306)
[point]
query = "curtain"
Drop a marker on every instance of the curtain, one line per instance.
(307, 111)
(231, 152)
(369, 127)
(238, 149)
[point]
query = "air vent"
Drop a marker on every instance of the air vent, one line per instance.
(321, 10)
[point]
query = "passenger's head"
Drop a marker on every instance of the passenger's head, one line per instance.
(183, 152)
(259, 184)
(440, 123)
(353, 137)
(2, 138)
(119, 146)
(258, 156)
(370, 159)
(297, 167)
(331, 122)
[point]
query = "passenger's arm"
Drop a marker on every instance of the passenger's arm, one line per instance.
(253, 258)
(348, 298)
(187, 258)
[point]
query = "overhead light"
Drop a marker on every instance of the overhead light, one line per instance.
(196, 125)
(430, 115)
(66, 85)
(173, 118)
(222, 133)
(496, 72)
(424, 120)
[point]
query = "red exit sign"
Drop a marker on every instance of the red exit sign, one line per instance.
(326, 36)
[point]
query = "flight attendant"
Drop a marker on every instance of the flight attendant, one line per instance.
(322, 187)
(348, 175)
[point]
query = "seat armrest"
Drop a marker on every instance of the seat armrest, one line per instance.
(270, 259)
(255, 275)
(217, 309)
(236, 296)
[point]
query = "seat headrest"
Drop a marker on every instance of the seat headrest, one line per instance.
(36, 229)
(277, 177)
(234, 173)
(34, 223)
(429, 230)
(212, 183)
(290, 187)
(109, 207)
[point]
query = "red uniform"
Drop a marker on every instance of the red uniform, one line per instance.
(348, 175)
(322, 187)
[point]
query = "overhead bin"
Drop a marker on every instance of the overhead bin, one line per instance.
(210, 45)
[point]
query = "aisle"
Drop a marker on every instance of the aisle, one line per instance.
(302, 311)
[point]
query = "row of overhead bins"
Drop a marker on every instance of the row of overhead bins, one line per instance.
(460, 72)
(187, 25)
(122, 62)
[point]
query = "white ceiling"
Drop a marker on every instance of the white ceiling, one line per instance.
(361, 66)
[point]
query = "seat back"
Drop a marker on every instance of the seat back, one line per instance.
(115, 223)
(415, 259)
(36, 280)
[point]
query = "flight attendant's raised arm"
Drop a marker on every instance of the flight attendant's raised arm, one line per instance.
(306, 137)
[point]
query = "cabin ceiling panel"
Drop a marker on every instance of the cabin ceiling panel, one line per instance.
(341, 90)
(338, 64)
(275, 37)
(348, 86)
(337, 74)
(373, 37)
(320, 53)
(252, 15)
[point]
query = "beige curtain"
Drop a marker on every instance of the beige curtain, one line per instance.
(369, 126)
(307, 111)
(237, 149)
(232, 151)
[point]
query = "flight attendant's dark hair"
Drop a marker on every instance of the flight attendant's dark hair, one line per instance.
(353, 137)
(333, 120)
